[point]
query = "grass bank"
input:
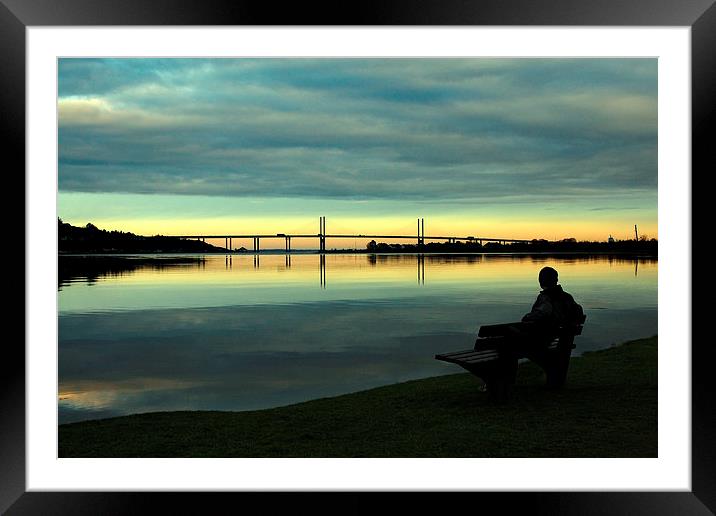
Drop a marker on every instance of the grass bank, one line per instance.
(607, 409)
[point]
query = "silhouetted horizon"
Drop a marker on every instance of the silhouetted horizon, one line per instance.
(91, 239)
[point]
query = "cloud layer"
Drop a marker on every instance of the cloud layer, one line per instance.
(492, 130)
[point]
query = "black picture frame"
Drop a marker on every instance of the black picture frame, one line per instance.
(17, 15)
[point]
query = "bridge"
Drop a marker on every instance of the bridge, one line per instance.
(323, 235)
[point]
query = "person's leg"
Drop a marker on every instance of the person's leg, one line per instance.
(500, 375)
(500, 384)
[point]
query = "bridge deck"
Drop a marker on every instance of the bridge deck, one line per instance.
(395, 237)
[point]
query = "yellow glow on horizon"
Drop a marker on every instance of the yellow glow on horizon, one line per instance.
(434, 226)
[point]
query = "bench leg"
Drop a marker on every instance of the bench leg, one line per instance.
(556, 370)
(498, 389)
(500, 382)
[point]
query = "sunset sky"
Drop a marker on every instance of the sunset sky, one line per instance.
(508, 148)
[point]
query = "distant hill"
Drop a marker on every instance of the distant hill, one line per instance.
(91, 239)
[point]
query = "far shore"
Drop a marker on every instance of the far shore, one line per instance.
(128, 253)
(90, 240)
(607, 409)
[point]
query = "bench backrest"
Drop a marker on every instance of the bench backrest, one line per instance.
(505, 330)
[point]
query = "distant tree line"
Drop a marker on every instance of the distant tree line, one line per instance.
(91, 239)
(643, 246)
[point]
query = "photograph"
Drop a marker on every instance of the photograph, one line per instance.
(397, 251)
(290, 257)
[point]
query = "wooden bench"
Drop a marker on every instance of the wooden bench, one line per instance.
(499, 347)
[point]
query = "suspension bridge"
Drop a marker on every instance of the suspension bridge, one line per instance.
(322, 236)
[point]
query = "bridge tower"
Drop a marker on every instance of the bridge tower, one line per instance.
(421, 233)
(322, 233)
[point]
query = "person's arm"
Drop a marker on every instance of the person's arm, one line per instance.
(575, 311)
(578, 312)
(541, 310)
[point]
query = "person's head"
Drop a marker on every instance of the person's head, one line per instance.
(548, 277)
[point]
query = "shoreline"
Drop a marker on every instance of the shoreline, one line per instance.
(129, 254)
(440, 416)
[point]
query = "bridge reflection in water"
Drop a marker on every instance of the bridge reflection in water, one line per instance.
(373, 259)
(419, 260)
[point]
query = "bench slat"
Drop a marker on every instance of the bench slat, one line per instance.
(469, 357)
(457, 354)
(467, 354)
(486, 358)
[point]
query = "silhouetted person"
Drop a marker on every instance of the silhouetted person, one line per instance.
(553, 307)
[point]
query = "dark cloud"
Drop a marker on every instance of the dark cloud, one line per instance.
(358, 128)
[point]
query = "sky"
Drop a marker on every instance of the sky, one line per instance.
(506, 148)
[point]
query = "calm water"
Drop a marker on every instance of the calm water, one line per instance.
(237, 334)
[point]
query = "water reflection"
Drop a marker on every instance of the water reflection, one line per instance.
(421, 269)
(322, 269)
(214, 332)
(90, 269)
